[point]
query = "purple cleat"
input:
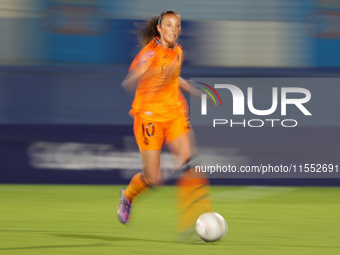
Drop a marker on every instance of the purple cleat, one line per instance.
(123, 209)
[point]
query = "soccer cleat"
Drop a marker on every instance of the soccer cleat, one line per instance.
(123, 209)
(189, 236)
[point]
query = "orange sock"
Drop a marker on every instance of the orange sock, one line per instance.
(193, 200)
(136, 185)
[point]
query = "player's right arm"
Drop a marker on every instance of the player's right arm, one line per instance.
(138, 68)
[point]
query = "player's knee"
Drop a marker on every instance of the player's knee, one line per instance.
(150, 180)
(182, 161)
(188, 161)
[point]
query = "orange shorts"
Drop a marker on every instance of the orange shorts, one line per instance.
(150, 135)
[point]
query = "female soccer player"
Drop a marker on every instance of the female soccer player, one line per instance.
(160, 114)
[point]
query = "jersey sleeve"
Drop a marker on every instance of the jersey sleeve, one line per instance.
(143, 57)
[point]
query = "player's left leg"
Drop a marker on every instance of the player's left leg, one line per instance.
(193, 192)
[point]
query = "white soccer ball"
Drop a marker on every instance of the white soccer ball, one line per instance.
(211, 226)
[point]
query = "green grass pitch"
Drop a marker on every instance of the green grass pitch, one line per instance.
(57, 219)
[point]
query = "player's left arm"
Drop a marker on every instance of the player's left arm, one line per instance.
(186, 87)
(190, 89)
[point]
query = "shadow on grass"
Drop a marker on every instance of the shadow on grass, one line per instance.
(82, 236)
(108, 238)
(51, 246)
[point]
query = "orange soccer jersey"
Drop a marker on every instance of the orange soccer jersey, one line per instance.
(158, 96)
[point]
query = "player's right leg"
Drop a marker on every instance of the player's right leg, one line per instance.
(149, 176)
(150, 144)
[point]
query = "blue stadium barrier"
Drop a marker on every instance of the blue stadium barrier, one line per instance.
(92, 154)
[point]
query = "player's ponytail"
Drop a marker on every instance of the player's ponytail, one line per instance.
(148, 29)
